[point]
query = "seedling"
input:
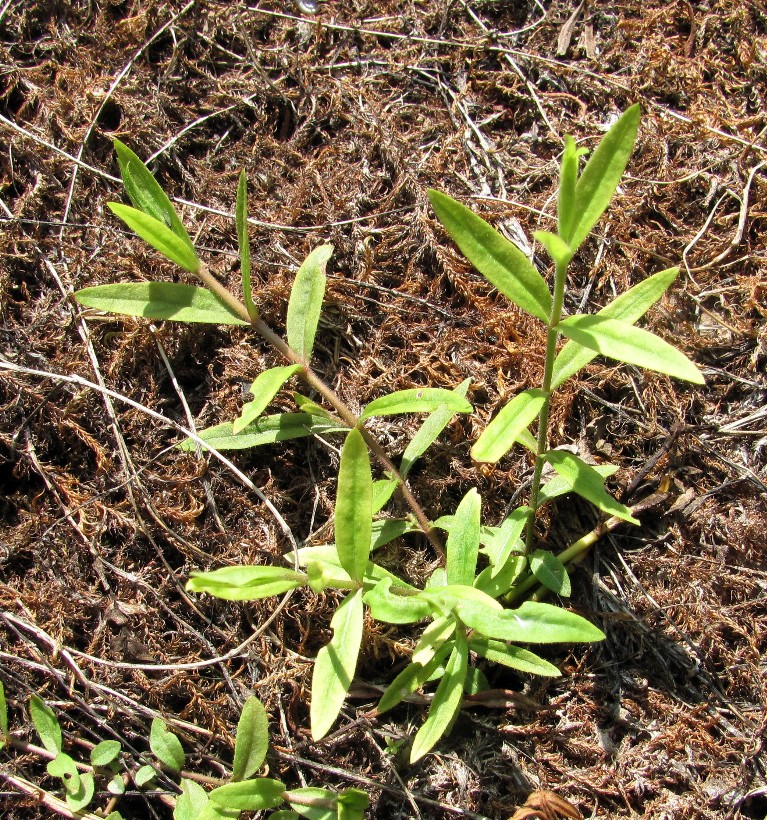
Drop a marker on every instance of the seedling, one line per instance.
(462, 604)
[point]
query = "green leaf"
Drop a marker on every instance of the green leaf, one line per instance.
(3, 716)
(551, 572)
(626, 343)
(159, 300)
(266, 430)
(391, 608)
(264, 388)
(497, 259)
(447, 700)
(191, 802)
(46, 723)
(501, 582)
(354, 506)
(383, 490)
(352, 804)
(568, 177)
(557, 248)
(144, 774)
(428, 432)
(532, 622)
(145, 192)
(444, 599)
(588, 483)
(410, 679)
(215, 811)
(65, 768)
(476, 681)
(462, 546)
(499, 436)
(328, 575)
(305, 304)
(243, 243)
(506, 539)
(513, 656)
(284, 814)
(432, 639)
(165, 746)
(416, 400)
(306, 405)
(249, 795)
(388, 529)
(316, 812)
(116, 785)
(104, 753)
(629, 307)
(335, 665)
(596, 185)
(246, 583)
(251, 741)
(559, 485)
(158, 235)
(528, 440)
(78, 800)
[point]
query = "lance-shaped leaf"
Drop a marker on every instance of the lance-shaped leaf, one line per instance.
(568, 177)
(264, 389)
(165, 746)
(505, 539)
(159, 300)
(462, 546)
(446, 702)
(588, 483)
(513, 656)
(556, 247)
(629, 307)
(632, 345)
(532, 622)
(335, 665)
(245, 583)
(559, 485)
(497, 259)
(383, 490)
(305, 304)
(158, 235)
(428, 432)
(249, 795)
(266, 430)
(354, 506)
(501, 582)
(392, 608)
(499, 436)
(243, 243)
(432, 638)
(411, 679)
(251, 741)
(444, 599)
(145, 192)
(416, 400)
(46, 723)
(596, 185)
(192, 801)
(551, 572)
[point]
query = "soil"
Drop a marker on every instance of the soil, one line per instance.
(343, 117)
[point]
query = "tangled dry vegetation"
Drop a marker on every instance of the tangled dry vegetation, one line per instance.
(342, 120)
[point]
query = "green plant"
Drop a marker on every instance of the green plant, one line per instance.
(462, 604)
(225, 801)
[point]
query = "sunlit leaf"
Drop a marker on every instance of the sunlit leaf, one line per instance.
(352, 804)
(251, 741)
(497, 259)
(559, 485)
(243, 243)
(324, 809)
(165, 746)
(510, 423)
(159, 300)
(389, 607)
(191, 802)
(65, 768)
(305, 304)
(556, 247)
(335, 665)
(383, 490)
(249, 795)
(104, 753)
(462, 545)
(158, 235)
(499, 583)
(588, 483)
(512, 656)
(354, 506)
(46, 723)
(629, 307)
(411, 679)
(77, 800)
(143, 775)
(551, 572)
(444, 599)
(416, 400)
(245, 583)
(596, 185)
(264, 389)
(568, 177)
(506, 538)
(432, 638)
(446, 702)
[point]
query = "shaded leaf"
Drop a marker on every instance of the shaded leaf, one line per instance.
(326, 800)
(245, 583)
(410, 679)
(335, 665)
(251, 740)
(46, 723)
(462, 546)
(243, 243)
(510, 423)
(392, 608)
(496, 584)
(513, 656)
(497, 259)
(354, 506)
(165, 746)
(159, 300)
(79, 799)
(249, 795)
(416, 400)
(476, 681)
(305, 304)
(158, 235)
(264, 389)
(551, 572)
(506, 538)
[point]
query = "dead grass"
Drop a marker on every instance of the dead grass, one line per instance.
(342, 121)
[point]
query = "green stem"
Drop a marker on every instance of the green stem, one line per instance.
(552, 335)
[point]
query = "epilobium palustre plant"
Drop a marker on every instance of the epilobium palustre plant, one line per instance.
(225, 801)
(480, 600)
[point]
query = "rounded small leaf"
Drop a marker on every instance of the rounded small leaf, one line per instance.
(249, 795)
(145, 774)
(104, 753)
(252, 740)
(78, 800)
(191, 802)
(64, 767)
(165, 746)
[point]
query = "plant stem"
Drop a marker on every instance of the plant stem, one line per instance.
(332, 398)
(552, 335)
